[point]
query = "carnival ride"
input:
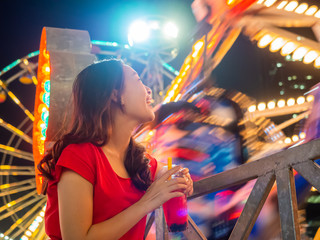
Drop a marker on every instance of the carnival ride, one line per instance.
(193, 109)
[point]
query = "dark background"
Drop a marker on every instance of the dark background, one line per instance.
(245, 68)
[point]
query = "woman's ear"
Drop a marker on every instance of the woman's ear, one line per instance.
(116, 98)
(114, 95)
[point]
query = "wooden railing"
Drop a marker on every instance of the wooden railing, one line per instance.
(275, 168)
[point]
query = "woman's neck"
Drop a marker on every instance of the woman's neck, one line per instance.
(120, 136)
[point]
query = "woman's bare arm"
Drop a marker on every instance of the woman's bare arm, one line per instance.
(75, 196)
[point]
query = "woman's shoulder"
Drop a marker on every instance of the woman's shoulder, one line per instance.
(80, 158)
(84, 150)
(80, 147)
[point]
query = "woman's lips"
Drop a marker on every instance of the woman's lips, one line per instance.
(150, 101)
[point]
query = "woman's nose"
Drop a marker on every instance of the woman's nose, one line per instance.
(149, 91)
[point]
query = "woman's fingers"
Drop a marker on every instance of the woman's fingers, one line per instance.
(175, 194)
(167, 174)
(177, 187)
(185, 170)
(177, 181)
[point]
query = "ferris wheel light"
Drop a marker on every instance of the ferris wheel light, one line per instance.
(317, 15)
(271, 105)
(170, 30)
(277, 44)
(288, 48)
(312, 10)
(45, 54)
(281, 103)
(299, 53)
(138, 32)
(39, 219)
(290, 102)
(291, 6)
(265, 40)
(300, 100)
(302, 8)
(282, 4)
(310, 57)
(46, 69)
(3, 96)
(261, 106)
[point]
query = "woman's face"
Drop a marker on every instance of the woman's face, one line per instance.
(136, 97)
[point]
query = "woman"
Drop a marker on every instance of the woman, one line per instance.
(100, 184)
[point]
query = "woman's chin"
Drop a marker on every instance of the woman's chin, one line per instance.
(150, 117)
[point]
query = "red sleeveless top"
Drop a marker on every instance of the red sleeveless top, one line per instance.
(111, 193)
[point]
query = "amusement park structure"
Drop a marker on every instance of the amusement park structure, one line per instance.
(272, 157)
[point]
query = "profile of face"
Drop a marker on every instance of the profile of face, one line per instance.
(136, 98)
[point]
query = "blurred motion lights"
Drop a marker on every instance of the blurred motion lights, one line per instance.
(302, 135)
(271, 105)
(302, 8)
(277, 44)
(288, 48)
(312, 10)
(291, 6)
(281, 103)
(300, 100)
(317, 62)
(310, 98)
(290, 102)
(299, 53)
(310, 57)
(287, 140)
(282, 4)
(265, 40)
(269, 3)
(252, 108)
(295, 138)
(261, 106)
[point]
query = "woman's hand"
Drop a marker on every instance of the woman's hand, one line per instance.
(183, 172)
(162, 190)
(186, 174)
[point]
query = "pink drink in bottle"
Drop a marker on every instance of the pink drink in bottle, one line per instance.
(175, 210)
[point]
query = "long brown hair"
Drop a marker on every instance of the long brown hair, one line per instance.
(91, 121)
